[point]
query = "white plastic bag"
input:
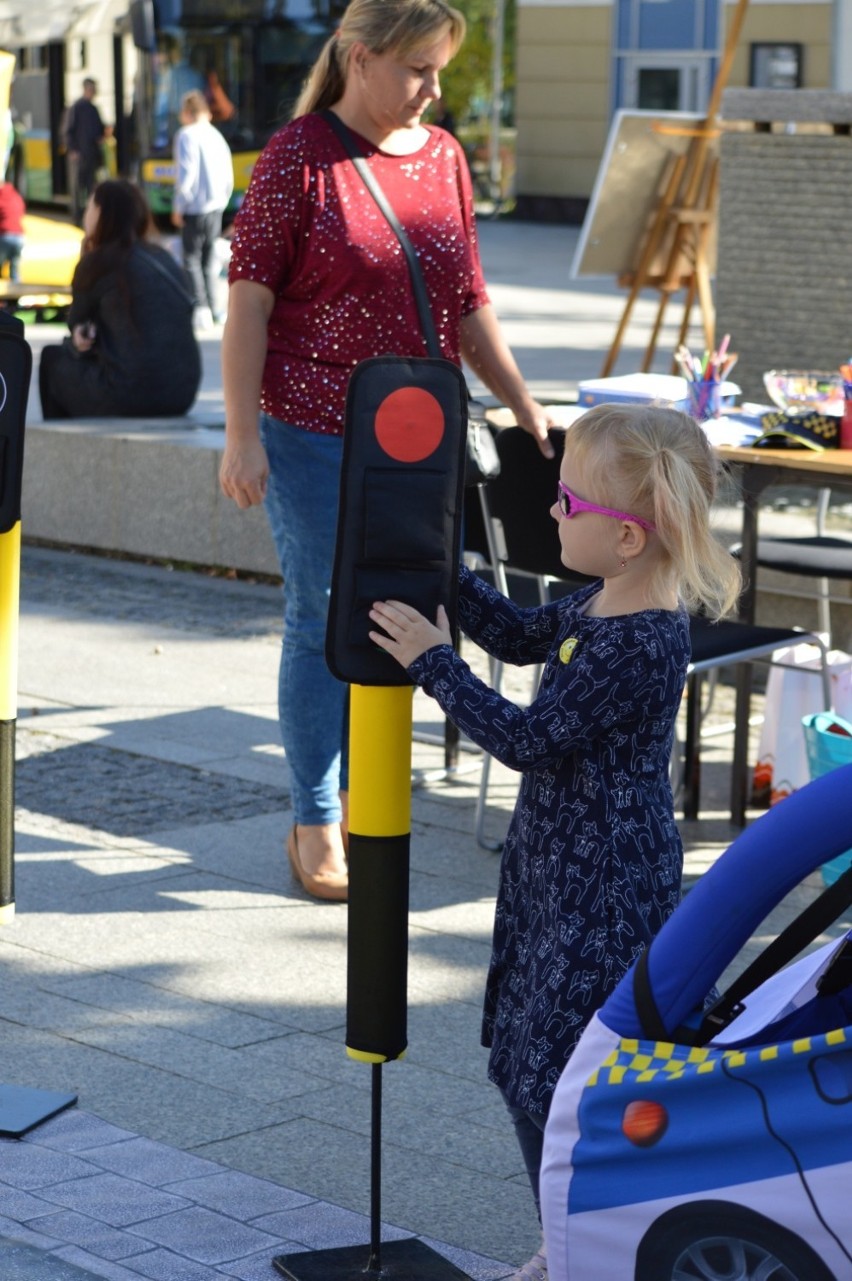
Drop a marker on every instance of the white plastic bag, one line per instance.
(791, 694)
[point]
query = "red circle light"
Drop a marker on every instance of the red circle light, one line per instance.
(409, 424)
(644, 1122)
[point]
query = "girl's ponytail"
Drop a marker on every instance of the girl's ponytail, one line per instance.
(708, 577)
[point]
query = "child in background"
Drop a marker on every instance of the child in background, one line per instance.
(12, 210)
(592, 862)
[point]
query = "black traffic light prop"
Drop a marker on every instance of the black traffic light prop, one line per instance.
(401, 493)
(398, 537)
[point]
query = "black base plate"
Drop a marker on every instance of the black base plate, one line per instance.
(22, 1108)
(409, 1260)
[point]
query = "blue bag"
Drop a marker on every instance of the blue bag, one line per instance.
(828, 743)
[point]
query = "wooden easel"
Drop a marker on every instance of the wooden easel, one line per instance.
(674, 255)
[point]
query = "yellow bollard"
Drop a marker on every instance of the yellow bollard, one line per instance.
(10, 579)
(379, 846)
(15, 370)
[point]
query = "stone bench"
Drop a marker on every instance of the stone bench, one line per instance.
(146, 487)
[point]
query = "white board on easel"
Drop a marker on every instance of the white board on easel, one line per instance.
(625, 197)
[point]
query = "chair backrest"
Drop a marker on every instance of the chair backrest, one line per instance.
(518, 503)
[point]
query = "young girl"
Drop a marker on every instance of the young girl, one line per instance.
(592, 862)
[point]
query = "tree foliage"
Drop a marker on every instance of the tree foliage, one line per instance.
(466, 83)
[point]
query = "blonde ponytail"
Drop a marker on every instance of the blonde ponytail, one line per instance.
(325, 83)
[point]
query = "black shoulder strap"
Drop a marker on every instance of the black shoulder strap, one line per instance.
(646, 1006)
(427, 322)
(807, 926)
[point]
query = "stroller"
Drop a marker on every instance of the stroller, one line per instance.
(697, 1137)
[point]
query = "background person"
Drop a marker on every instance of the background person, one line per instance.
(591, 866)
(83, 136)
(204, 181)
(12, 210)
(317, 283)
(221, 108)
(174, 76)
(132, 351)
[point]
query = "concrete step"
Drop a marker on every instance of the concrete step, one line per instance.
(147, 488)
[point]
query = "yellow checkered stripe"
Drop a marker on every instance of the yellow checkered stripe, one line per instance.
(639, 1061)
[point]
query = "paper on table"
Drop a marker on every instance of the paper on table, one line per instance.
(730, 431)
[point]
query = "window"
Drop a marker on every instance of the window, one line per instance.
(776, 66)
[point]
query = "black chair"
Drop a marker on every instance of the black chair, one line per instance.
(817, 556)
(522, 544)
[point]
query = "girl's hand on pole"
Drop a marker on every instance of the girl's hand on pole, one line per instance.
(406, 634)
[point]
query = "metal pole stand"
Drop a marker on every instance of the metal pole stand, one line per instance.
(377, 967)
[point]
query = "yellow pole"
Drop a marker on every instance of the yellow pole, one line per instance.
(10, 590)
(10, 579)
(379, 847)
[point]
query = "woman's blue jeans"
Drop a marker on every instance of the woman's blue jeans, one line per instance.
(301, 503)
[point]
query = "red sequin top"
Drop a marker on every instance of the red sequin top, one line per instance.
(310, 231)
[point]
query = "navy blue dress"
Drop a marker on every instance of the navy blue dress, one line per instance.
(592, 863)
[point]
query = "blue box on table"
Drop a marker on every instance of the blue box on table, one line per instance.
(634, 389)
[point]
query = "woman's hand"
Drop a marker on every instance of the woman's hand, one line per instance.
(407, 634)
(244, 471)
(83, 336)
(487, 352)
(535, 419)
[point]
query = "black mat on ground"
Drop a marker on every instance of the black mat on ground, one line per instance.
(128, 795)
(19, 1262)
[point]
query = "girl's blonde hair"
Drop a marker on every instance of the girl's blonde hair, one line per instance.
(658, 463)
(398, 26)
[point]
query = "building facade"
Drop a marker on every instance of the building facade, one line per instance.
(579, 61)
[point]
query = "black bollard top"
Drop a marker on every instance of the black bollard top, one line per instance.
(16, 362)
(10, 326)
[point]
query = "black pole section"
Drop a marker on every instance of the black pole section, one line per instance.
(7, 813)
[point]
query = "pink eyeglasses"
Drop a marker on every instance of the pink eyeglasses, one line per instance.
(570, 505)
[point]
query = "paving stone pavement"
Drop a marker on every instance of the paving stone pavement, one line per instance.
(163, 966)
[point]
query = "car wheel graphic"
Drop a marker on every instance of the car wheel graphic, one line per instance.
(717, 1241)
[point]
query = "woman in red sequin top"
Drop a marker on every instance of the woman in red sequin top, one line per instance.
(318, 282)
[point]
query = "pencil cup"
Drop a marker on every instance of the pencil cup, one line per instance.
(704, 399)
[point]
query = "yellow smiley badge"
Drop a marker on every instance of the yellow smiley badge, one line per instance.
(566, 649)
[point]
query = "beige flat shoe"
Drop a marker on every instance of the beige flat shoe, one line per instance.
(331, 886)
